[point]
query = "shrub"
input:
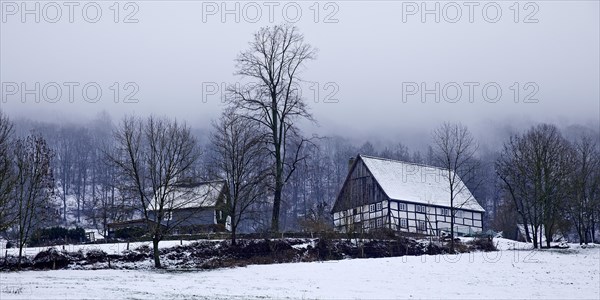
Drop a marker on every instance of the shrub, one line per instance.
(50, 259)
(382, 233)
(143, 249)
(96, 255)
(129, 233)
(482, 244)
(133, 256)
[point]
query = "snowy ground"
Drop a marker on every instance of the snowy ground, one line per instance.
(114, 248)
(544, 274)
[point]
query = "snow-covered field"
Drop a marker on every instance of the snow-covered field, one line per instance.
(545, 274)
(114, 248)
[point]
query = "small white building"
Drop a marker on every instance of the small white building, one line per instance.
(408, 197)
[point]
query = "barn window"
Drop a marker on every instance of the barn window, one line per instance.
(372, 207)
(168, 216)
(445, 212)
(379, 222)
(378, 205)
(420, 209)
(372, 223)
(403, 223)
(421, 225)
(402, 206)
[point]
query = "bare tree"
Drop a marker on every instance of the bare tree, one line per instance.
(506, 219)
(584, 195)
(535, 168)
(7, 179)
(454, 150)
(273, 64)
(240, 160)
(397, 152)
(65, 159)
(101, 208)
(511, 171)
(367, 149)
(82, 166)
(34, 185)
(106, 209)
(548, 164)
(487, 186)
(109, 204)
(155, 157)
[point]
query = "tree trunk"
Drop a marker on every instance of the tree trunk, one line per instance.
(20, 256)
(276, 204)
(83, 194)
(21, 238)
(580, 233)
(535, 240)
(64, 198)
(592, 232)
(78, 206)
(526, 226)
(593, 229)
(233, 236)
(452, 229)
(156, 252)
(452, 214)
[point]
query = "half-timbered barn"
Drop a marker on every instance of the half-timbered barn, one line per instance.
(408, 197)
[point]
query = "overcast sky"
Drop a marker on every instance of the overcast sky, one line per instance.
(371, 58)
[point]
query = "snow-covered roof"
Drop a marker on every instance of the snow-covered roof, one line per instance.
(418, 183)
(204, 194)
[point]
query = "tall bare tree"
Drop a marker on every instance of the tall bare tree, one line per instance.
(584, 196)
(454, 150)
(511, 169)
(548, 165)
(82, 167)
(65, 160)
(272, 65)
(240, 159)
(155, 157)
(34, 185)
(108, 204)
(535, 168)
(7, 179)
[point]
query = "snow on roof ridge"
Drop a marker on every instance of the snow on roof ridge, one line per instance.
(210, 181)
(200, 183)
(402, 161)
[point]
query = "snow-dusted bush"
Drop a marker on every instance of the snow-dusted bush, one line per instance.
(482, 244)
(96, 255)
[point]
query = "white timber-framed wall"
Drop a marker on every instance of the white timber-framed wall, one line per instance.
(363, 204)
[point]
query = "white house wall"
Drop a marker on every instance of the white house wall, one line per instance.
(466, 222)
(434, 219)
